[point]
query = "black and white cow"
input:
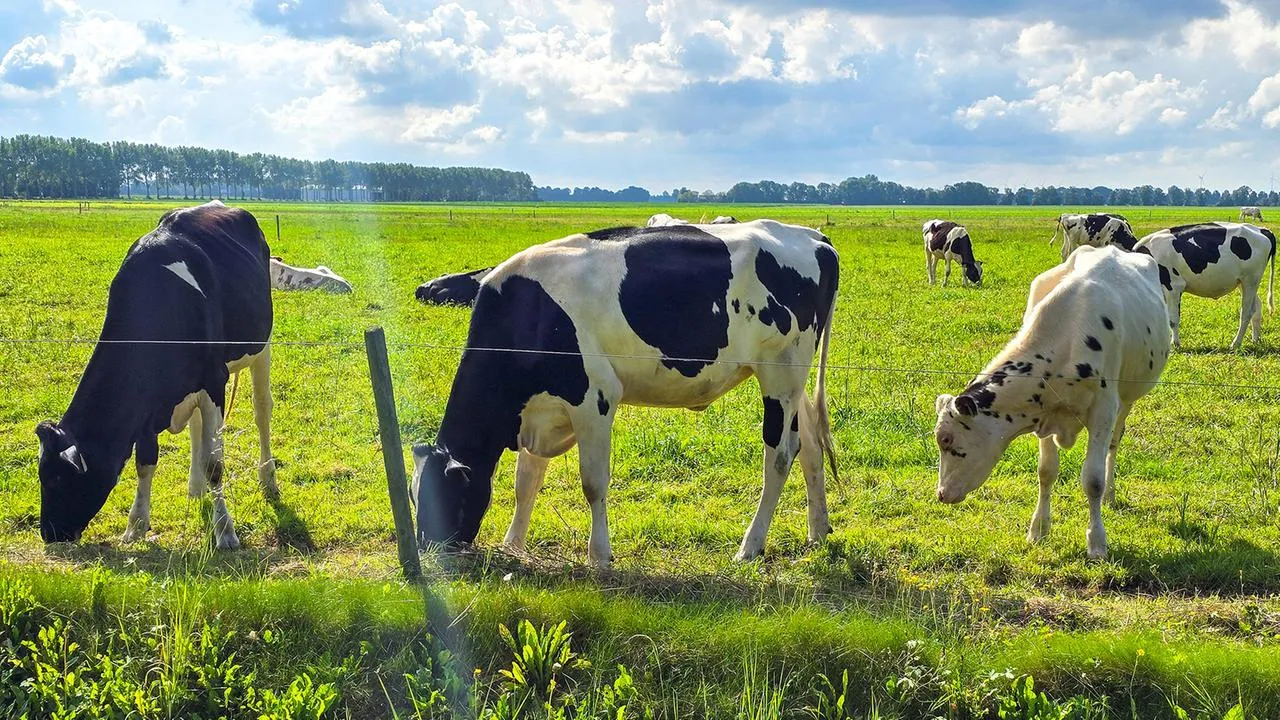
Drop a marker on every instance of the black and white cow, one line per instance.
(945, 240)
(563, 333)
(724, 220)
(664, 220)
(457, 289)
(1251, 211)
(190, 305)
(1095, 229)
(1211, 260)
(288, 277)
(1093, 341)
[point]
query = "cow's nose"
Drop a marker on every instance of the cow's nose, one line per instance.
(940, 495)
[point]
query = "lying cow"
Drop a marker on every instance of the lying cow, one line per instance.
(1211, 260)
(1095, 229)
(664, 220)
(1093, 340)
(1251, 211)
(564, 332)
(457, 289)
(287, 277)
(190, 305)
(945, 240)
(724, 220)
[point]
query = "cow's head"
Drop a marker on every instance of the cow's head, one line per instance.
(71, 490)
(450, 503)
(973, 273)
(969, 444)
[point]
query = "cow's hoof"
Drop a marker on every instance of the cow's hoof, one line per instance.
(1098, 553)
(267, 480)
(134, 534)
(747, 555)
(228, 541)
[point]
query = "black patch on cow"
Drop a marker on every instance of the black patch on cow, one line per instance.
(601, 404)
(1104, 382)
(938, 235)
(789, 292)
(1092, 343)
(1240, 246)
(614, 233)
(1151, 364)
(1124, 238)
(1143, 249)
(776, 315)
(675, 277)
(795, 423)
(1008, 418)
(1095, 223)
(982, 396)
(1165, 280)
(772, 422)
(1036, 399)
(1084, 370)
(997, 378)
(751, 310)
(1269, 236)
(1199, 245)
(458, 289)
(737, 307)
(1106, 323)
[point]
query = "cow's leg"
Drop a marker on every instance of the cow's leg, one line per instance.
(1109, 492)
(811, 460)
(1248, 296)
(594, 447)
(1048, 472)
(931, 265)
(1175, 315)
(946, 275)
(530, 472)
(197, 480)
(146, 454)
(1257, 317)
(262, 405)
(224, 531)
(1093, 476)
(779, 452)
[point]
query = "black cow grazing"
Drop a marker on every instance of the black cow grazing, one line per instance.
(1211, 260)
(458, 289)
(564, 332)
(190, 305)
(945, 240)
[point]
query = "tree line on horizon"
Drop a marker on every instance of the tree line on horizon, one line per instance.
(36, 166)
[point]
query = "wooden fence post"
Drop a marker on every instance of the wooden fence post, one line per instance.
(375, 345)
(277, 229)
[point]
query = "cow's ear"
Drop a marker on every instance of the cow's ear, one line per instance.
(455, 466)
(966, 406)
(74, 459)
(48, 433)
(941, 403)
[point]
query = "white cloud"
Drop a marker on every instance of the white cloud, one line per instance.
(32, 66)
(1265, 101)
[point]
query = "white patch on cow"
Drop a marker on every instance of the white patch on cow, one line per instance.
(180, 269)
(72, 455)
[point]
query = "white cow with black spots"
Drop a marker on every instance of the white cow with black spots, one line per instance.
(1095, 229)
(288, 277)
(1094, 339)
(1251, 211)
(947, 241)
(1211, 260)
(664, 220)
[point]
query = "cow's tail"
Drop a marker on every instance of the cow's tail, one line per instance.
(235, 385)
(1056, 228)
(1271, 284)
(819, 414)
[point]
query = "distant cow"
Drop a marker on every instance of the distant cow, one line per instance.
(457, 289)
(564, 332)
(724, 220)
(1095, 229)
(1093, 340)
(1211, 260)
(664, 220)
(190, 305)
(1251, 211)
(287, 277)
(945, 240)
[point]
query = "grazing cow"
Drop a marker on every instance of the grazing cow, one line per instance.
(664, 220)
(287, 277)
(1211, 260)
(945, 240)
(1095, 229)
(457, 289)
(190, 305)
(724, 220)
(1093, 341)
(563, 333)
(1251, 211)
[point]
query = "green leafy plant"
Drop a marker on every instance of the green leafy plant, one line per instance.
(540, 658)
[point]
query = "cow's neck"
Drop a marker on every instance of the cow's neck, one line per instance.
(472, 430)
(104, 414)
(1013, 387)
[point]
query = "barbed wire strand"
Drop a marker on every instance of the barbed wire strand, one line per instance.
(620, 356)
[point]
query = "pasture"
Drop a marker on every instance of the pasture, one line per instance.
(908, 592)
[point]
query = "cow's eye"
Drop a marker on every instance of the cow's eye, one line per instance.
(945, 440)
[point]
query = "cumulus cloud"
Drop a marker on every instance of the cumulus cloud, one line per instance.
(31, 65)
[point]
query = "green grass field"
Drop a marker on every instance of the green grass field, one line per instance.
(1185, 610)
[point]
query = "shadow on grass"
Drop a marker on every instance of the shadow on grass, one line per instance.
(154, 559)
(1234, 567)
(290, 531)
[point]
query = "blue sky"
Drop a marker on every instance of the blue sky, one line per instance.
(673, 92)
